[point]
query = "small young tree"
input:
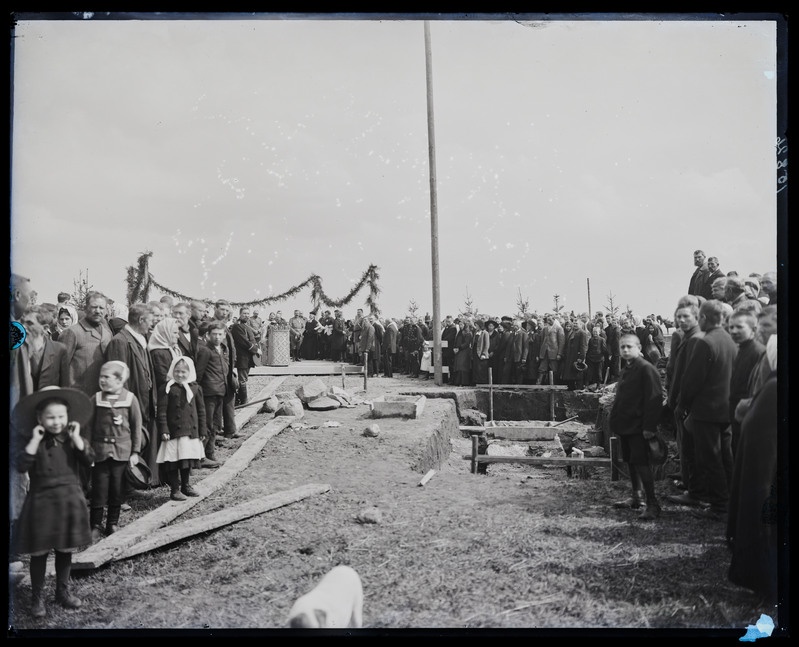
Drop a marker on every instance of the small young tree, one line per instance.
(557, 307)
(523, 305)
(413, 308)
(611, 307)
(469, 309)
(81, 287)
(34, 297)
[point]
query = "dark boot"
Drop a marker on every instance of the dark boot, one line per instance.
(38, 570)
(63, 567)
(634, 502)
(112, 523)
(186, 488)
(96, 522)
(38, 610)
(174, 487)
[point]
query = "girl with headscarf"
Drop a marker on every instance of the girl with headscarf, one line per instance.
(181, 425)
(163, 348)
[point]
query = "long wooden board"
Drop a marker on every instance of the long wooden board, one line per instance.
(540, 460)
(525, 387)
(520, 433)
(171, 534)
(108, 549)
(310, 367)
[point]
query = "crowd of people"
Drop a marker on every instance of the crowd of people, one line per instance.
(99, 401)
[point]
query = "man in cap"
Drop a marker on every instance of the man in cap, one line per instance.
(553, 341)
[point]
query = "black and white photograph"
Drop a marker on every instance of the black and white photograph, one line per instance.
(374, 323)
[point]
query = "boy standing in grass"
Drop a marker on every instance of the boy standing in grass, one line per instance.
(633, 418)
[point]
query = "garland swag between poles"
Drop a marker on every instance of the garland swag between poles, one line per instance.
(139, 281)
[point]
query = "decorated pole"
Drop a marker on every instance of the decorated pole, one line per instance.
(588, 286)
(431, 146)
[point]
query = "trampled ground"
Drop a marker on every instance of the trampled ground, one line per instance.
(521, 547)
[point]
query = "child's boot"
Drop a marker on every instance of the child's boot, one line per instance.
(187, 489)
(38, 609)
(96, 522)
(174, 486)
(63, 566)
(112, 523)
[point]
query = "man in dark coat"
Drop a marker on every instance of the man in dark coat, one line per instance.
(188, 335)
(612, 333)
(247, 349)
(129, 345)
(713, 273)
(366, 346)
(703, 404)
(448, 335)
(47, 358)
(389, 347)
(633, 418)
(698, 279)
(515, 354)
(742, 326)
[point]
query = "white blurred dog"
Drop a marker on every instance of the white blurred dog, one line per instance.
(335, 603)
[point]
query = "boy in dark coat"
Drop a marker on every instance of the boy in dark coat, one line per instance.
(633, 418)
(213, 363)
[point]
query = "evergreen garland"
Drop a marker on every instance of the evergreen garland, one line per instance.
(140, 280)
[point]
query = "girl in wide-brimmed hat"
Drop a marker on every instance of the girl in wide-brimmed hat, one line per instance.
(54, 516)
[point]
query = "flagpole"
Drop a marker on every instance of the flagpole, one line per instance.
(431, 147)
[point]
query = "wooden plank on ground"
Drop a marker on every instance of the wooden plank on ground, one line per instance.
(109, 548)
(309, 368)
(171, 534)
(540, 460)
(525, 387)
(521, 433)
(245, 414)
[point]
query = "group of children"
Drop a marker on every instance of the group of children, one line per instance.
(60, 434)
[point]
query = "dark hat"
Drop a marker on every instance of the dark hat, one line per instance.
(80, 406)
(580, 365)
(506, 318)
(491, 321)
(138, 475)
(658, 450)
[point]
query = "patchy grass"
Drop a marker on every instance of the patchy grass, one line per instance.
(465, 551)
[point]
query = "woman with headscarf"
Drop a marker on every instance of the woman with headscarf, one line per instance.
(752, 521)
(568, 333)
(163, 348)
(62, 322)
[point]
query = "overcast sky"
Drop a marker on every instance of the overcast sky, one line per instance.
(248, 154)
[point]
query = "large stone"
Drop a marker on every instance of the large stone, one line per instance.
(372, 431)
(291, 407)
(271, 404)
(311, 390)
(473, 418)
(370, 515)
(323, 404)
(398, 406)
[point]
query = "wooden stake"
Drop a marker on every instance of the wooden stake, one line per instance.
(342, 378)
(491, 395)
(551, 397)
(475, 438)
(365, 368)
(426, 478)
